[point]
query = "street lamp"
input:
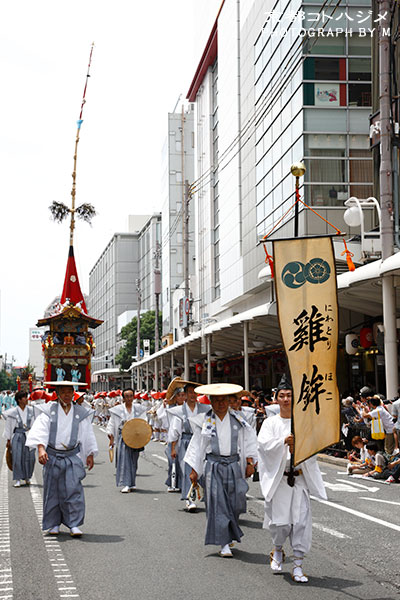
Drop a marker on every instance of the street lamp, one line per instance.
(297, 170)
(354, 217)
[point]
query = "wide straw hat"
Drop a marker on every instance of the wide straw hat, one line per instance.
(219, 389)
(176, 383)
(136, 433)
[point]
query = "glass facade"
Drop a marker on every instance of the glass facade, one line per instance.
(215, 178)
(313, 100)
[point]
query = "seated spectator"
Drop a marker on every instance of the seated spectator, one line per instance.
(378, 460)
(382, 424)
(360, 464)
(394, 467)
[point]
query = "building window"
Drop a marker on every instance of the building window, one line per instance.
(359, 69)
(360, 94)
(319, 171)
(325, 69)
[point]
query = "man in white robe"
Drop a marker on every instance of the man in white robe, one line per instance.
(224, 450)
(179, 435)
(126, 457)
(19, 420)
(63, 434)
(287, 509)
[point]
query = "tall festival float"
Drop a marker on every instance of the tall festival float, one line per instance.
(68, 344)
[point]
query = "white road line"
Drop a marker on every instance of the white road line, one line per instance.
(5, 547)
(52, 545)
(359, 485)
(333, 532)
(255, 499)
(378, 500)
(357, 513)
(160, 457)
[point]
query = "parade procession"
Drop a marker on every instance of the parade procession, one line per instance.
(199, 334)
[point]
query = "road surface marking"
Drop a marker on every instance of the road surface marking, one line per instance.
(52, 545)
(357, 513)
(5, 547)
(333, 532)
(160, 457)
(379, 500)
(360, 485)
(255, 499)
(340, 487)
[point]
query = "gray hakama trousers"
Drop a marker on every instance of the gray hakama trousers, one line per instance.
(23, 458)
(185, 469)
(225, 492)
(63, 498)
(178, 472)
(127, 462)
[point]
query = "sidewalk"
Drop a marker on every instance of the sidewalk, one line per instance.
(333, 460)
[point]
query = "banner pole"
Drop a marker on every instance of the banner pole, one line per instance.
(297, 170)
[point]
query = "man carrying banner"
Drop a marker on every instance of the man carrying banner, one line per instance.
(306, 292)
(287, 509)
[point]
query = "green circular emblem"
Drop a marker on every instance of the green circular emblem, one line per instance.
(293, 275)
(317, 271)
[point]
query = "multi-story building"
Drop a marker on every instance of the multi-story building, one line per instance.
(269, 92)
(268, 96)
(127, 263)
(112, 291)
(149, 260)
(36, 358)
(178, 167)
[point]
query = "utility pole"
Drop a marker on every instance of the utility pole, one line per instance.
(185, 238)
(186, 248)
(157, 292)
(386, 200)
(139, 302)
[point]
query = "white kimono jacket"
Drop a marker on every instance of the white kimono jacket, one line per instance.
(119, 413)
(273, 455)
(200, 444)
(39, 433)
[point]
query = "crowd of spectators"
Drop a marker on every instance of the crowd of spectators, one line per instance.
(371, 435)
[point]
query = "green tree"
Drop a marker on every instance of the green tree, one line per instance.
(8, 381)
(26, 371)
(128, 333)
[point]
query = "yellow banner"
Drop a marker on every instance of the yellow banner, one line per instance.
(305, 280)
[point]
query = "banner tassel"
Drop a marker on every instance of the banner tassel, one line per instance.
(270, 261)
(348, 254)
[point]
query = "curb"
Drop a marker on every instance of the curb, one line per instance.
(333, 460)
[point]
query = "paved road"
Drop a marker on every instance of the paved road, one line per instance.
(144, 545)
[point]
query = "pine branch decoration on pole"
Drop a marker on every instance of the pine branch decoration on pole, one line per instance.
(86, 211)
(59, 211)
